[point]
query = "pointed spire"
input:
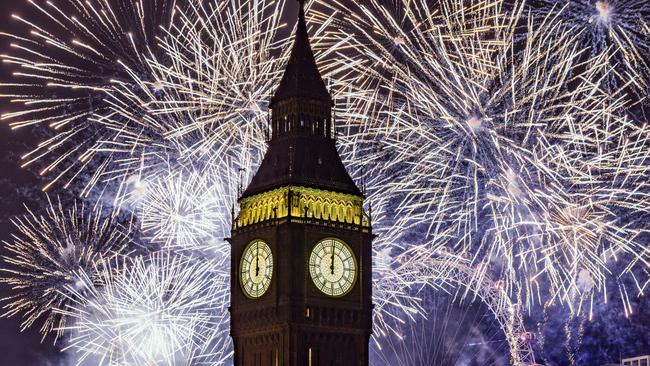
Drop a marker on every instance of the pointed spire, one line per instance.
(302, 23)
(301, 78)
(301, 149)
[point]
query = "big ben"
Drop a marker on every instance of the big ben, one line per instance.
(301, 246)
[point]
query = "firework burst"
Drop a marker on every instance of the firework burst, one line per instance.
(156, 310)
(594, 228)
(184, 211)
(431, 271)
(69, 72)
(226, 59)
(191, 83)
(614, 28)
(47, 255)
(463, 113)
(221, 62)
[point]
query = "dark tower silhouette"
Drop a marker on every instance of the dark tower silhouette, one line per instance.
(301, 288)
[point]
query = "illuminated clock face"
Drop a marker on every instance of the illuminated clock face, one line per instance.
(333, 267)
(256, 269)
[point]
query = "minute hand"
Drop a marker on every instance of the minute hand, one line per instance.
(257, 262)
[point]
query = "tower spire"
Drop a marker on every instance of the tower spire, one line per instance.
(301, 78)
(301, 150)
(302, 23)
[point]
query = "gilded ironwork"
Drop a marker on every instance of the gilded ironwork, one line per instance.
(302, 202)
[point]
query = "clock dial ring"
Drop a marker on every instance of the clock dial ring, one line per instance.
(333, 267)
(256, 269)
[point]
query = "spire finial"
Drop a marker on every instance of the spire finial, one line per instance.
(301, 15)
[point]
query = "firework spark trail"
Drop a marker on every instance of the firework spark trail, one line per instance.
(222, 62)
(226, 60)
(616, 29)
(451, 274)
(594, 227)
(69, 70)
(467, 115)
(46, 254)
(186, 92)
(157, 310)
(185, 211)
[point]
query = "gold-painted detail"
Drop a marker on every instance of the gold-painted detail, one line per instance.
(303, 202)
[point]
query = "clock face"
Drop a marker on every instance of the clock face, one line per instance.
(333, 267)
(256, 269)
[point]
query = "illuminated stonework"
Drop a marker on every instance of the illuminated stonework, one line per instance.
(306, 203)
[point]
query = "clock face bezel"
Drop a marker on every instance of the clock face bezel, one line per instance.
(242, 280)
(313, 273)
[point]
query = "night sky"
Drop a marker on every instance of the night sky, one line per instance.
(20, 186)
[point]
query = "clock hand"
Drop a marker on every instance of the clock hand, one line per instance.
(332, 260)
(257, 262)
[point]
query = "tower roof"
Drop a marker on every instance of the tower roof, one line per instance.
(304, 162)
(301, 151)
(301, 78)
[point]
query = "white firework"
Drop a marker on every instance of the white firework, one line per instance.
(156, 310)
(616, 29)
(47, 253)
(185, 210)
(477, 124)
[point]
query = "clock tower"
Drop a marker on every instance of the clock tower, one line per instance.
(301, 287)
